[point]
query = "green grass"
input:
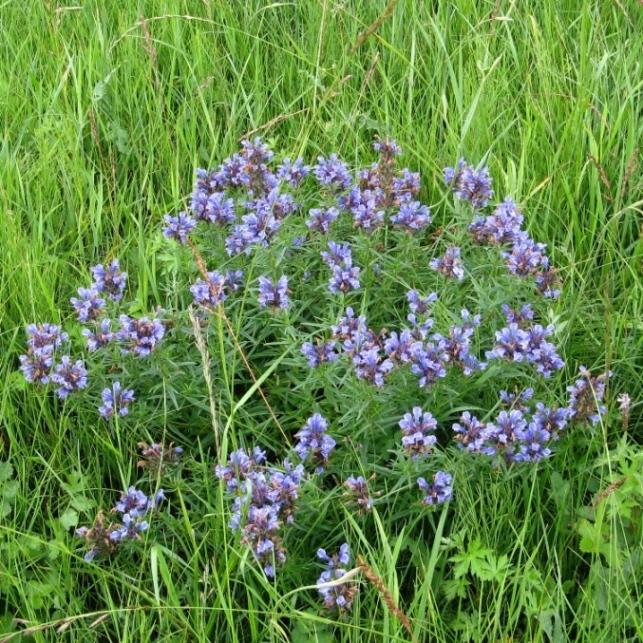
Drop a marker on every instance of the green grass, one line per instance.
(105, 113)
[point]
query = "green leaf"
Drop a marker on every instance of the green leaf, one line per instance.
(6, 471)
(82, 503)
(69, 519)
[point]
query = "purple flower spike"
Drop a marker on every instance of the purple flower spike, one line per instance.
(314, 440)
(412, 217)
(70, 377)
(140, 335)
(116, 400)
(440, 491)
(339, 596)
(585, 397)
(526, 258)
(358, 492)
(320, 220)
(90, 306)
(416, 437)
(338, 255)
(320, 353)
(100, 336)
(37, 367)
(344, 279)
(210, 292)
(332, 172)
(472, 434)
(292, 173)
(111, 280)
(179, 227)
(275, 296)
(468, 184)
(450, 266)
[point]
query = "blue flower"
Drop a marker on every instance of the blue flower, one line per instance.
(320, 220)
(526, 258)
(274, 295)
(340, 254)
(450, 265)
(368, 213)
(36, 367)
(111, 280)
(344, 279)
(259, 533)
(179, 227)
(314, 441)
(340, 595)
(70, 377)
(320, 353)
(585, 397)
(140, 335)
(100, 336)
(358, 492)
(370, 367)
(412, 217)
(501, 227)
(472, 434)
(210, 292)
(468, 184)
(417, 438)
(90, 306)
(438, 492)
(292, 172)
(116, 400)
(512, 343)
(332, 172)
(218, 209)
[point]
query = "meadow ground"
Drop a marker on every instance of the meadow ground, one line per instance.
(106, 111)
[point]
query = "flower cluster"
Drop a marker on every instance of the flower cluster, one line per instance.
(110, 280)
(519, 435)
(526, 258)
(450, 265)
(264, 500)
(210, 292)
(157, 457)
(314, 441)
(116, 401)
(520, 342)
(43, 341)
(469, 184)
(586, 396)
(273, 295)
(417, 436)
(89, 305)
(319, 353)
(345, 274)
(438, 492)
(140, 336)
(100, 337)
(103, 537)
(69, 377)
(428, 359)
(338, 595)
(358, 492)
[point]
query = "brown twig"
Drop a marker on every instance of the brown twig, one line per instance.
(609, 490)
(202, 347)
(629, 170)
(274, 121)
(374, 27)
(386, 595)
